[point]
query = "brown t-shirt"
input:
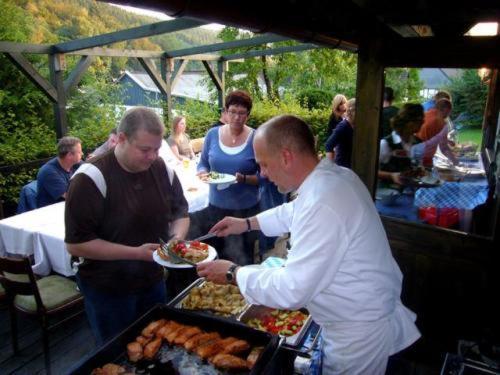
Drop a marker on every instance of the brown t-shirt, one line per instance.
(138, 209)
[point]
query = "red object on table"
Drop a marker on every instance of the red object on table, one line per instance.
(442, 217)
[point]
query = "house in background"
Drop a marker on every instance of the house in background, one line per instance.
(139, 89)
(435, 79)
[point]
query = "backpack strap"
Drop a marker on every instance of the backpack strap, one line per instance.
(170, 173)
(95, 175)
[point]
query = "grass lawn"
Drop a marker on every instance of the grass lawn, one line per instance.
(470, 135)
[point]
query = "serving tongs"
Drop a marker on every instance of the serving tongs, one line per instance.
(165, 249)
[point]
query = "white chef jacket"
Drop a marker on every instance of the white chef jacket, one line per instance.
(340, 267)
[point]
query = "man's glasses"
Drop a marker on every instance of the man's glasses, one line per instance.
(236, 113)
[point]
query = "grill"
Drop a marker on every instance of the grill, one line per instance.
(115, 350)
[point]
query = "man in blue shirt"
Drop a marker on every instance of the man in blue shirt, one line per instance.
(53, 177)
(431, 103)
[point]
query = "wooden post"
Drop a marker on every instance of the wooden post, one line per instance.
(169, 65)
(57, 66)
(369, 87)
(222, 67)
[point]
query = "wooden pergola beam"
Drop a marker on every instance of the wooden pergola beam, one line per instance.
(32, 74)
(250, 42)
(213, 75)
(155, 75)
(177, 72)
(77, 73)
(13, 47)
(268, 52)
(57, 65)
(128, 34)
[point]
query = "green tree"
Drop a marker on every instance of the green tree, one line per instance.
(469, 95)
(406, 84)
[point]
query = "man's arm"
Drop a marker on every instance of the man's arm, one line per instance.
(179, 228)
(105, 250)
(233, 225)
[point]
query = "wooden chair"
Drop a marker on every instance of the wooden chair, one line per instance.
(2, 296)
(197, 144)
(43, 298)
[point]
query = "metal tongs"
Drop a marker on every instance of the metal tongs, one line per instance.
(165, 248)
(205, 237)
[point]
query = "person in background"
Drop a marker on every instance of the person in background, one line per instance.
(228, 149)
(434, 122)
(338, 111)
(270, 197)
(402, 150)
(179, 141)
(395, 149)
(222, 119)
(118, 206)
(53, 177)
(388, 111)
(340, 266)
(108, 145)
(431, 103)
(339, 145)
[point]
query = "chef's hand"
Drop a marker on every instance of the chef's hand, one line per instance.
(229, 225)
(214, 271)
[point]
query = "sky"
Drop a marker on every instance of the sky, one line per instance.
(162, 16)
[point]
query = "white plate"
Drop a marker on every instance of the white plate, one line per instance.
(224, 178)
(430, 180)
(212, 254)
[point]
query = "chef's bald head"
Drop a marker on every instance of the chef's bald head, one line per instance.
(289, 132)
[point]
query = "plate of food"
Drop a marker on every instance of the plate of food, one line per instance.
(419, 177)
(216, 178)
(192, 251)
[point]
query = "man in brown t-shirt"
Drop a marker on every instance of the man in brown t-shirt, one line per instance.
(118, 205)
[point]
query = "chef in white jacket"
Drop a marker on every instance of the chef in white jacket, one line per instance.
(339, 267)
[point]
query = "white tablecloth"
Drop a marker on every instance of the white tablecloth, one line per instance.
(41, 231)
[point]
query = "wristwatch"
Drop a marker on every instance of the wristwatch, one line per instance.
(231, 274)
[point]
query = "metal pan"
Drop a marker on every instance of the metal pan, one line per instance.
(258, 311)
(178, 301)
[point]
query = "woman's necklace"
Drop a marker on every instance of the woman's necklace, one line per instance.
(233, 139)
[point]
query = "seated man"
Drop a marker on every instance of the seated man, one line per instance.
(53, 177)
(109, 144)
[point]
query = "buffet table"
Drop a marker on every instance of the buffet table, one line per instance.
(41, 232)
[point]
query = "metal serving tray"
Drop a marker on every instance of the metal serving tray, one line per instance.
(258, 311)
(179, 299)
(115, 350)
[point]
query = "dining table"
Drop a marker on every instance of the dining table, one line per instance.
(458, 191)
(40, 232)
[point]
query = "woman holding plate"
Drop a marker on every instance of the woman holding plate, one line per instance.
(228, 164)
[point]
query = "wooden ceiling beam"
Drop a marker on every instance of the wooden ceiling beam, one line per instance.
(464, 52)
